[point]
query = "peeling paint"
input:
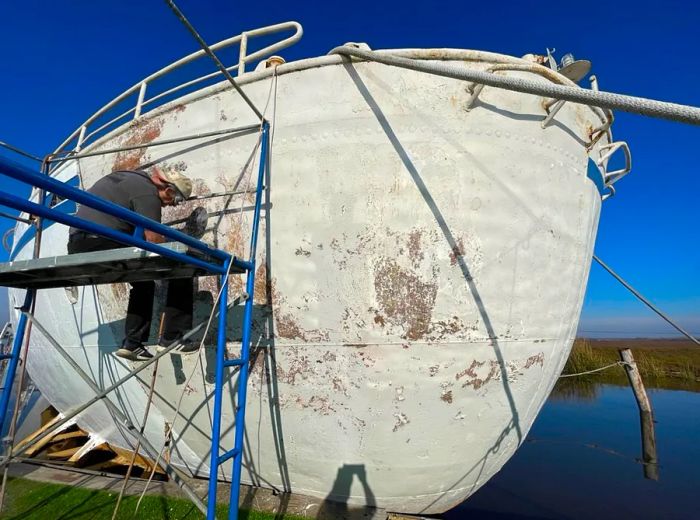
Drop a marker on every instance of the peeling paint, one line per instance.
(536, 359)
(446, 397)
(287, 327)
(317, 404)
(143, 132)
(299, 366)
(457, 252)
(480, 373)
(476, 380)
(401, 420)
(260, 287)
(415, 252)
(120, 291)
(404, 298)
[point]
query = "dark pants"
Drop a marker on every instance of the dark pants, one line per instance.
(178, 305)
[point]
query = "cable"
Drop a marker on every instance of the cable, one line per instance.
(645, 301)
(211, 54)
(20, 151)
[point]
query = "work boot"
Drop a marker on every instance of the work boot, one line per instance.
(138, 353)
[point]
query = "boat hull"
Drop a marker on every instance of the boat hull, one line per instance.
(421, 273)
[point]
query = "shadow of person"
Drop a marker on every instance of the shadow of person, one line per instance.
(335, 505)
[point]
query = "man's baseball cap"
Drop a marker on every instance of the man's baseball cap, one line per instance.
(182, 183)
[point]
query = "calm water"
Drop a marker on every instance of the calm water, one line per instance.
(580, 461)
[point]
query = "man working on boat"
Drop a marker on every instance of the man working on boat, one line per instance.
(144, 194)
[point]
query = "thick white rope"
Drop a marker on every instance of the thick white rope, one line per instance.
(637, 105)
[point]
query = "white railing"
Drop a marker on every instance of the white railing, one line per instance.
(84, 133)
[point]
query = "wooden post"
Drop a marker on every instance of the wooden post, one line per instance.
(646, 416)
(651, 466)
(635, 380)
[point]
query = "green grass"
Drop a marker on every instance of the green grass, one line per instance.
(30, 500)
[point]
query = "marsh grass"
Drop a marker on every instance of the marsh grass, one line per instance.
(664, 365)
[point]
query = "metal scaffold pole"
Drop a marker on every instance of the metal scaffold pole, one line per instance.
(221, 362)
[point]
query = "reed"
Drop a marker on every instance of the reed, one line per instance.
(662, 365)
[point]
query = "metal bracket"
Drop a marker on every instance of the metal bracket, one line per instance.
(610, 193)
(606, 152)
(555, 107)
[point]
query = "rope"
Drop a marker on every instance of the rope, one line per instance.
(211, 54)
(617, 363)
(645, 301)
(636, 105)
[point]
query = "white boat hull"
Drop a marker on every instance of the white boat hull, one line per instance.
(426, 267)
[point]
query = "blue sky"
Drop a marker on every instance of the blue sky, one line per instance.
(64, 60)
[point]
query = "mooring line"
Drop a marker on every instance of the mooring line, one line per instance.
(617, 363)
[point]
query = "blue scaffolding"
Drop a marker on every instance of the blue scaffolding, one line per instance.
(199, 256)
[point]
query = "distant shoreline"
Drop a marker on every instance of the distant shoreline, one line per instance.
(640, 343)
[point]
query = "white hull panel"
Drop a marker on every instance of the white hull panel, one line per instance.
(426, 266)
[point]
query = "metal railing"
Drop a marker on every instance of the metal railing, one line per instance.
(84, 133)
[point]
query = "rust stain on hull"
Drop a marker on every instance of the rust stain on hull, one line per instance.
(404, 298)
(143, 132)
(475, 380)
(447, 397)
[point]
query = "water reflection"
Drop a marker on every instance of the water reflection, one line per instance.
(584, 458)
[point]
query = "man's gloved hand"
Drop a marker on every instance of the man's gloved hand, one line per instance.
(196, 223)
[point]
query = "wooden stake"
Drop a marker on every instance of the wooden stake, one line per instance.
(635, 380)
(646, 416)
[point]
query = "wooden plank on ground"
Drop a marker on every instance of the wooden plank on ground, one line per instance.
(43, 442)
